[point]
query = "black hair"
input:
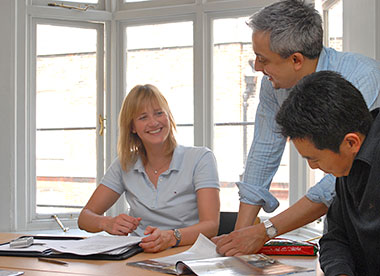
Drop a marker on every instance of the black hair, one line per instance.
(323, 107)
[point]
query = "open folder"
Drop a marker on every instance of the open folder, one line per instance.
(96, 247)
(203, 260)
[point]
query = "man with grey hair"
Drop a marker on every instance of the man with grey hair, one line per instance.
(287, 40)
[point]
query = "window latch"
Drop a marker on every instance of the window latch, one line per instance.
(101, 125)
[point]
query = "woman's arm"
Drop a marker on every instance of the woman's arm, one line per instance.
(92, 219)
(208, 211)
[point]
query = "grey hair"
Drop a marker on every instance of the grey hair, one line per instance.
(293, 25)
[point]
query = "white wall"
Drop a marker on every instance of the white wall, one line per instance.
(361, 31)
(7, 118)
(361, 27)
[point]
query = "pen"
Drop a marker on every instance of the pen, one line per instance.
(315, 238)
(53, 261)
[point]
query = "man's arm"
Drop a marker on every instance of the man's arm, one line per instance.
(247, 215)
(250, 239)
(263, 159)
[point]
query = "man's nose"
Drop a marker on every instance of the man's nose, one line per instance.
(258, 66)
(313, 165)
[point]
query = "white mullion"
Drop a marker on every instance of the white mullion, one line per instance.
(118, 72)
(200, 80)
(31, 123)
(100, 102)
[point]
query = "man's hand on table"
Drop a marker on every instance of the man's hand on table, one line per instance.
(244, 241)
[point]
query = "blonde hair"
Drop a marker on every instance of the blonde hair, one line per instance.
(129, 145)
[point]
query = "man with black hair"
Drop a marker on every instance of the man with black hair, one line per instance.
(328, 121)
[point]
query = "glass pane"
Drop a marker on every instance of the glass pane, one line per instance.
(65, 117)
(236, 86)
(335, 38)
(162, 55)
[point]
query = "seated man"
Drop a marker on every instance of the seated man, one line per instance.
(329, 123)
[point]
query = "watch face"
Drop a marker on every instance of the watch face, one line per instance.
(177, 234)
(271, 232)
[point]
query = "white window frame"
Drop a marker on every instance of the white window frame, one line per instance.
(25, 217)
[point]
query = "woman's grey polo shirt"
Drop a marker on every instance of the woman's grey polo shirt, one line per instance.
(174, 203)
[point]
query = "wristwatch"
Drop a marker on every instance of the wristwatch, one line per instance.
(177, 236)
(270, 229)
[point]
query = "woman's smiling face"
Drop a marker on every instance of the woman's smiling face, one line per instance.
(151, 124)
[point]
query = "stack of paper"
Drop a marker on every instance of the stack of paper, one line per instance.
(98, 244)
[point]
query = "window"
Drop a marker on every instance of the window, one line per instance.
(81, 64)
(332, 15)
(236, 87)
(64, 118)
(66, 112)
(162, 55)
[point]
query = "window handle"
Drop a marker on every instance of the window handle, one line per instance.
(70, 7)
(64, 229)
(101, 125)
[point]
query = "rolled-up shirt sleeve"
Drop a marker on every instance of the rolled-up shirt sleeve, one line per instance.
(266, 151)
(323, 191)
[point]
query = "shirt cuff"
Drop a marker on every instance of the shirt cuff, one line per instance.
(256, 195)
(323, 191)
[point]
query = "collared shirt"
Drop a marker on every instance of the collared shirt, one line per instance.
(268, 144)
(173, 204)
(351, 245)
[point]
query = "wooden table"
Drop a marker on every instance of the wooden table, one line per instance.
(32, 267)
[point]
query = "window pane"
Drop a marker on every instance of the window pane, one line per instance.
(335, 26)
(236, 87)
(162, 55)
(65, 117)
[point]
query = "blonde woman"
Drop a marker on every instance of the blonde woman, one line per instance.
(172, 190)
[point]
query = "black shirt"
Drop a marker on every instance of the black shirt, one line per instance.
(352, 244)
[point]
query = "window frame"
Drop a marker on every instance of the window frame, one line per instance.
(26, 217)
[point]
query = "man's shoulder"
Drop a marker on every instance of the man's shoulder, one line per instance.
(347, 63)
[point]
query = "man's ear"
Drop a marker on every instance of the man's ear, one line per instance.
(353, 141)
(298, 60)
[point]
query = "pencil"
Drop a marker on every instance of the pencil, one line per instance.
(315, 238)
(53, 261)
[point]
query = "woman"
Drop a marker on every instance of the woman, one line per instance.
(172, 190)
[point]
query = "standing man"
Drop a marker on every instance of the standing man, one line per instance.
(287, 40)
(334, 131)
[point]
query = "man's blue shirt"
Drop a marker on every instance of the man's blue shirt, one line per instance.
(268, 144)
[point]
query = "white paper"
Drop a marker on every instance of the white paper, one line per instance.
(94, 244)
(10, 273)
(202, 248)
(112, 245)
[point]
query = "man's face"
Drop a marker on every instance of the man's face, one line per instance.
(338, 164)
(279, 70)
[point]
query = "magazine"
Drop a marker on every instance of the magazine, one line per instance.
(202, 259)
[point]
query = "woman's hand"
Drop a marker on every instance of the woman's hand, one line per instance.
(121, 224)
(157, 240)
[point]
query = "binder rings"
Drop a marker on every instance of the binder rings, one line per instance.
(135, 249)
